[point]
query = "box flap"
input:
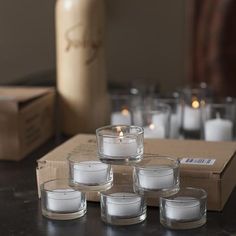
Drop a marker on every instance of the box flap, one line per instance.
(200, 156)
(21, 94)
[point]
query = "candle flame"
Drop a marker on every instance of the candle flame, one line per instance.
(125, 112)
(195, 104)
(121, 134)
(152, 126)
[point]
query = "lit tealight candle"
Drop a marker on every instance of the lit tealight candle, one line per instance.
(183, 208)
(120, 146)
(123, 204)
(121, 118)
(63, 200)
(154, 131)
(192, 116)
(160, 177)
(91, 172)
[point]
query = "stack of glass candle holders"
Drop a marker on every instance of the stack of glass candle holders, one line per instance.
(124, 204)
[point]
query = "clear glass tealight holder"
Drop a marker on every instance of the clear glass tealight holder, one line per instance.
(156, 176)
(218, 124)
(60, 202)
(120, 205)
(156, 122)
(184, 210)
(89, 175)
(120, 144)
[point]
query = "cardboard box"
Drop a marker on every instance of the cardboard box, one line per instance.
(26, 120)
(207, 165)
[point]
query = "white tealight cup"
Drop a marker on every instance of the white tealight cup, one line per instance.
(156, 177)
(91, 172)
(123, 204)
(192, 118)
(155, 131)
(63, 200)
(183, 208)
(120, 146)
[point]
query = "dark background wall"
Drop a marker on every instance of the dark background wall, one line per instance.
(145, 40)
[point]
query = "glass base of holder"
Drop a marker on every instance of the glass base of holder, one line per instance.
(156, 193)
(63, 216)
(91, 188)
(121, 160)
(115, 220)
(192, 134)
(181, 225)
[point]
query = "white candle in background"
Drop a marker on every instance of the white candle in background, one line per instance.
(123, 204)
(90, 172)
(159, 177)
(192, 117)
(183, 208)
(121, 118)
(218, 130)
(137, 117)
(63, 200)
(154, 131)
(174, 126)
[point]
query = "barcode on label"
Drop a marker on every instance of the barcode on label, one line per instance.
(198, 161)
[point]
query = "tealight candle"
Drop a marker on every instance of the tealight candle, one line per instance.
(192, 118)
(120, 146)
(154, 131)
(156, 177)
(91, 172)
(63, 200)
(123, 204)
(121, 118)
(218, 130)
(183, 208)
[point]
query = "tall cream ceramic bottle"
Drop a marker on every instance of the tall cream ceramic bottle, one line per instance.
(81, 77)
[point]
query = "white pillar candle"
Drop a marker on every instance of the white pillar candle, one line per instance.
(183, 208)
(91, 172)
(159, 177)
(119, 146)
(63, 200)
(154, 131)
(121, 118)
(218, 130)
(123, 204)
(174, 126)
(192, 118)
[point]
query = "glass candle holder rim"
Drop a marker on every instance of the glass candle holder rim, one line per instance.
(143, 164)
(172, 199)
(96, 163)
(219, 104)
(63, 180)
(119, 188)
(110, 127)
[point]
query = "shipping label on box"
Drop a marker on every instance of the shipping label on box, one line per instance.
(26, 120)
(207, 165)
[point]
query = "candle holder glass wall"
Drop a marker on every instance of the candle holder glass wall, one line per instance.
(122, 206)
(218, 122)
(156, 176)
(156, 122)
(175, 114)
(121, 111)
(60, 202)
(89, 175)
(120, 144)
(184, 210)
